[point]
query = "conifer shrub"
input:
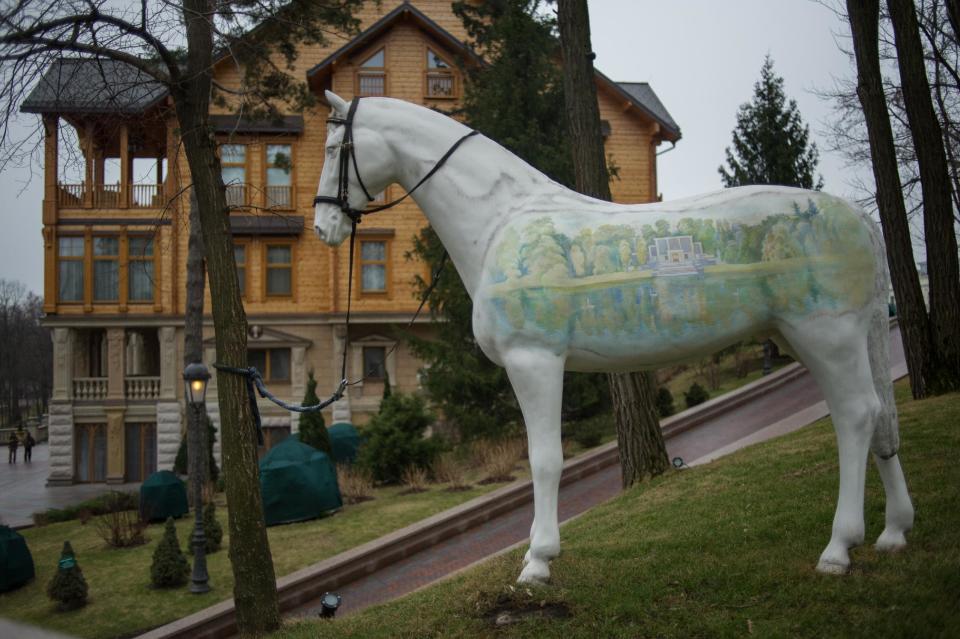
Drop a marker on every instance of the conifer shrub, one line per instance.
(169, 568)
(181, 461)
(313, 430)
(68, 588)
(696, 395)
(212, 530)
(665, 406)
(394, 438)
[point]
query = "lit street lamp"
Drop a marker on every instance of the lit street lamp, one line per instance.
(195, 377)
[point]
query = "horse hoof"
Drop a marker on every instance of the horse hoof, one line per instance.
(834, 560)
(535, 572)
(891, 541)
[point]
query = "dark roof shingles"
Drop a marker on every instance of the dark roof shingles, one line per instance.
(88, 85)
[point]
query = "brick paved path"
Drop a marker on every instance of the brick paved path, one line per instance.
(512, 528)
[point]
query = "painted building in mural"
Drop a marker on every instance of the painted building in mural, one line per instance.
(115, 239)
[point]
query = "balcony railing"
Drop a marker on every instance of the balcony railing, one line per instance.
(439, 85)
(142, 387)
(107, 196)
(236, 195)
(280, 196)
(89, 388)
(146, 196)
(70, 195)
(372, 83)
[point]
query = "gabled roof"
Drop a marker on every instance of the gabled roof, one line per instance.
(638, 94)
(94, 85)
(322, 71)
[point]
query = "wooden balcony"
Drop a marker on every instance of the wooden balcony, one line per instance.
(110, 196)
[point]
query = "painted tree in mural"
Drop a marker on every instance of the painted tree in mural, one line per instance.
(176, 44)
(770, 142)
(515, 98)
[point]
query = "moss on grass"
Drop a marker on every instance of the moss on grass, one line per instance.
(724, 550)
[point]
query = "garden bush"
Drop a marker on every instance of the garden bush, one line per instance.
(84, 510)
(212, 530)
(169, 568)
(356, 484)
(313, 430)
(119, 527)
(449, 469)
(68, 587)
(665, 406)
(696, 395)
(394, 438)
(180, 463)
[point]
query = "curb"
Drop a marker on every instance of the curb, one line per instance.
(294, 589)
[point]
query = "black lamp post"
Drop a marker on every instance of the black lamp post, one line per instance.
(195, 377)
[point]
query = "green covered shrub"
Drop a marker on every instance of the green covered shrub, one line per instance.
(394, 441)
(169, 568)
(212, 530)
(696, 395)
(313, 430)
(68, 587)
(180, 464)
(665, 406)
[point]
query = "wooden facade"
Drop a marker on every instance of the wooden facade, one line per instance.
(118, 341)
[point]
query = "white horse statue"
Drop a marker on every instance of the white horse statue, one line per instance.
(561, 281)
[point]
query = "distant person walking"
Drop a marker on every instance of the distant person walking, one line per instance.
(12, 444)
(28, 443)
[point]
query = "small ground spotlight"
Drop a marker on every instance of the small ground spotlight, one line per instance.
(678, 462)
(329, 603)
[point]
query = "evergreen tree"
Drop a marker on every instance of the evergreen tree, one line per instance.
(212, 530)
(517, 100)
(180, 463)
(313, 430)
(771, 142)
(68, 587)
(169, 568)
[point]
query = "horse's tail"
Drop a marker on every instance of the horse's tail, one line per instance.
(886, 437)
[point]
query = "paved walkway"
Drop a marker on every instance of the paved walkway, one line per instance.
(24, 490)
(793, 405)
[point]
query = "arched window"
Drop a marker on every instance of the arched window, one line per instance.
(372, 75)
(440, 80)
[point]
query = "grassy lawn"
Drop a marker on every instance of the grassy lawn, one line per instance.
(121, 601)
(723, 550)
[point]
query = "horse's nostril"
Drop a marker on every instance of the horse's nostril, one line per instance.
(319, 232)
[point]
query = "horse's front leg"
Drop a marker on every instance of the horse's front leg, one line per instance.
(537, 379)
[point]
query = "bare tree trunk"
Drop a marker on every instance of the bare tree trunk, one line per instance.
(938, 220)
(642, 451)
(196, 274)
(254, 578)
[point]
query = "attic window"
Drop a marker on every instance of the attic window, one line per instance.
(439, 76)
(372, 75)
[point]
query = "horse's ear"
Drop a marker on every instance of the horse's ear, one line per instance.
(339, 104)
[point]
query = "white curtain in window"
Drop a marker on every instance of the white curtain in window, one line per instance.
(140, 281)
(71, 281)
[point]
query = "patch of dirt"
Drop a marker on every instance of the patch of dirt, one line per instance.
(459, 489)
(507, 612)
(496, 480)
(358, 500)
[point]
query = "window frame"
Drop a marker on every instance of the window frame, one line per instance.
(122, 258)
(94, 258)
(363, 363)
(449, 71)
(267, 372)
(265, 269)
(245, 199)
(266, 164)
(362, 70)
(82, 259)
(246, 244)
(126, 264)
(387, 260)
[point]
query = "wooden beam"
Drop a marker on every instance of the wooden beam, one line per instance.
(125, 161)
(51, 161)
(88, 179)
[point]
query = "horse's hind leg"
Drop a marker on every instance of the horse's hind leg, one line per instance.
(899, 511)
(835, 353)
(537, 380)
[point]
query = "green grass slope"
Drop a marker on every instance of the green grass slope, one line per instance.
(725, 550)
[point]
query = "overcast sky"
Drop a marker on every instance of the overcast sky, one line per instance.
(702, 57)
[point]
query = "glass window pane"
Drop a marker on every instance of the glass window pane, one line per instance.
(71, 281)
(82, 456)
(280, 364)
(106, 280)
(132, 452)
(140, 281)
(71, 247)
(278, 281)
(233, 153)
(374, 362)
(278, 177)
(375, 61)
(149, 450)
(373, 251)
(140, 247)
(242, 280)
(234, 175)
(257, 359)
(279, 255)
(434, 61)
(100, 453)
(106, 246)
(240, 254)
(372, 84)
(374, 277)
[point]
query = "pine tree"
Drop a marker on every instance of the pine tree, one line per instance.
(517, 100)
(180, 463)
(212, 530)
(169, 568)
(313, 430)
(771, 142)
(68, 587)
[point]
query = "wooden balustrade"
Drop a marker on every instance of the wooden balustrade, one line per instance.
(236, 195)
(142, 387)
(90, 388)
(70, 196)
(146, 196)
(280, 196)
(439, 85)
(107, 196)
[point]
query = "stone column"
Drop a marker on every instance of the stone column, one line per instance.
(168, 433)
(61, 441)
(116, 444)
(341, 408)
(115, 368)
(298, 383)
(114, 405)
(171, 376)
(63, 339)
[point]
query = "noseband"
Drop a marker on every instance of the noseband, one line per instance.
(348, 156)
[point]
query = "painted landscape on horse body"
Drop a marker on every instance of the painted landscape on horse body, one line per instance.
(681, 274)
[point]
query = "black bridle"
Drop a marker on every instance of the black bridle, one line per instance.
(348, 156)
